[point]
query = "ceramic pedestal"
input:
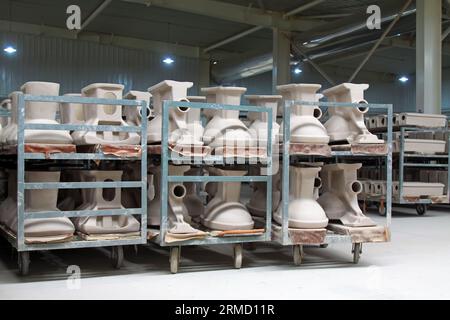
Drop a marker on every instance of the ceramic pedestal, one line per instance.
(102, 199)
(304, 211)
(224, 211)
(133, 115)
(340, 197)
(347, 124)
(4, 121)
(104, 115)
(305, 124)
(72, 113)
(258, 202)
(258, 127)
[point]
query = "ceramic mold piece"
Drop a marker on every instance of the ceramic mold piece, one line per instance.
(419, 145)
(4, 121)
(418, 189)
(304, 211)
(46, 229)
(257, 204)
(104, 115)
(339, 199)
(72, 113)
(133, 115)
(224, 127)
(258, 127)
(103, 199)
(224, 211)
(421, 120)
(181, 132)
(381, 121)
(178, 215)
(347, 124)
(305, 124)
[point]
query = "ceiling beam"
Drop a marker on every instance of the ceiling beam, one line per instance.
(411, 44)
(302, 8)
(94, 14)
(232, 12)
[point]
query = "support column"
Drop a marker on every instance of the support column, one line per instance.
(429, 56)
(204, 72)
(281, 47)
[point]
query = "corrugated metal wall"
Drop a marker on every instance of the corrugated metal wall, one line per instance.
(75, 64)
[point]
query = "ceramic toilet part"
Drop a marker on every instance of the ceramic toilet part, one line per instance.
(224, 211)
(224, 127)
(258, 127)
(8, 207)
(340, 194)
(183, 130)
(45, 229)
(72, 113)
(305, 125)
(258, 203)
(104, 115)
(4, 121)
(10, 131)
(103, 199)
(304, 211)
(192, 200)
(178, 215)
(133, 115)
(347, 124)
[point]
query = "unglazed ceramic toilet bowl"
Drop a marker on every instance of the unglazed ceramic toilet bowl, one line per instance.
(46, 229)
(10, 130)
(181, 132)
(104, 115)
(39, 113)
(258, 127)
(305, 125)
(304, 211)
(133, 115)
(224, 127)
(340, 195)
(192, 200)
(178, 215)
(224, 211)
(257, 204)
(4, 121)
(104, 199)
(72, 113)
(8, 207)
(347, 124)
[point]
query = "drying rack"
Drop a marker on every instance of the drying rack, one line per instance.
(334, 233)
(21, 156)
(210, 160)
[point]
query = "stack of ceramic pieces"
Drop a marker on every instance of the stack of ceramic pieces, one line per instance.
(104, 115)
(259, 120)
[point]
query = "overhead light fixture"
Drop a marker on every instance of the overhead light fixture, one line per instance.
(10, 50)
(297, 71)
(403, 79)
(168, 60)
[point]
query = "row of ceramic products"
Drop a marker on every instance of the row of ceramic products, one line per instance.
(318, 193)
(375, 188)
(223, 126)
(407, 120)
(423, 142)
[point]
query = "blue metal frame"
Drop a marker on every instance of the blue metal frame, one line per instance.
(285, 240)
(19, 240)
(210, 160)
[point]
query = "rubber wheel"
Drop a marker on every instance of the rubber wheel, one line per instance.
(237, 254)
(117, 257)
(23, 262)
(421, 209)
(298, 254)
(381, 210)
(174, 259)
(357, 250)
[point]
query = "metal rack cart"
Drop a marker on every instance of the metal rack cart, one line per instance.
(21, 155)
(166, 157)
(334, 234)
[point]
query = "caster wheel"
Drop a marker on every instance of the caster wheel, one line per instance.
(356, 250)
(24, 262)
(382, 210)
(237, 250)
(421, 209)
(324, 245)
(298, 254)
(117, 257)
(175, 253)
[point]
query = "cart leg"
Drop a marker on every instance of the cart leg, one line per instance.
(356, 250)
(421, 209)
(382, 208)
(237, 253)
(23, 261)
(298, 254)
(117, 257)
(175, 254)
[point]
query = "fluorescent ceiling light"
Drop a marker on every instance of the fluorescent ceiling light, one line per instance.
(10, 50)
(403, 79)
(297, 71)
(168, 60)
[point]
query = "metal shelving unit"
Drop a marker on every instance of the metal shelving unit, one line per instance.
(167, 157)
(331, 237)
(18, 241)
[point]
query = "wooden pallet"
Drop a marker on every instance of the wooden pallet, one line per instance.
(241, 152)
(198, 151)
(362, 234)
(120, 151)
(111, 236)
(310, 149)
(301, 236)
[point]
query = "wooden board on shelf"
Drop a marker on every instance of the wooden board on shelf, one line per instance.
(310, 149)
(362, 234)
(36, 240)
(433, 199)
(120, 151)
(241, 152)
(181, 151)
(114, 236)
(363, 149)
(301, 236)
(45, 148)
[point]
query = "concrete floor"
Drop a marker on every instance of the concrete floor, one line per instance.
(415, 265)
